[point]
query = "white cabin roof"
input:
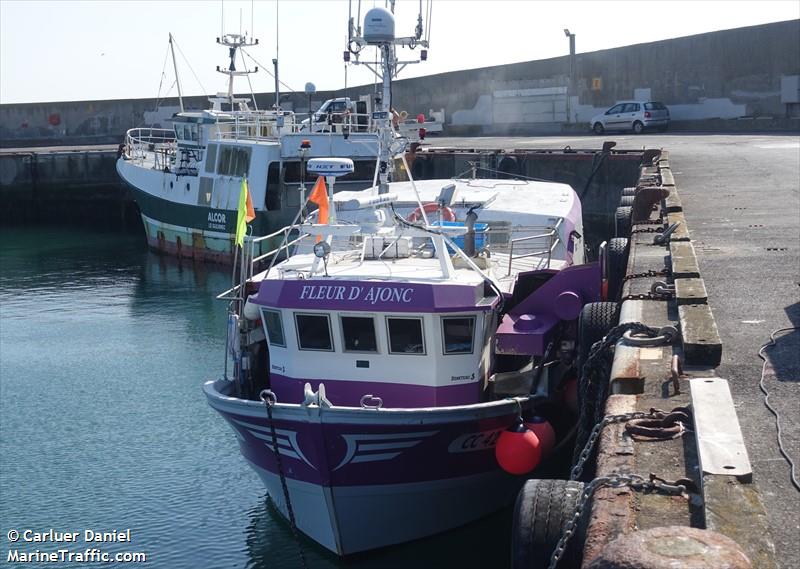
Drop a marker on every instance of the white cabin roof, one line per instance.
(518, 201)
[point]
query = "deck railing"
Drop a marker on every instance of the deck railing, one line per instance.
(536, 242)
(156, 144)
(258, 125)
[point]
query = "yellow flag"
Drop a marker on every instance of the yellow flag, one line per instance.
(246, 213)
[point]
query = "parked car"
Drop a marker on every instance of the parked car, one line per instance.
(632, 115)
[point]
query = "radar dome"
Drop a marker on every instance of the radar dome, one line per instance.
(378, 26)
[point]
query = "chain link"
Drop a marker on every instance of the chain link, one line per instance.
(647, 230)
(650, 273)
(647, 296)
(269, 401)
(593, 385)
(649, 222)
(586, 452)
(632, 481)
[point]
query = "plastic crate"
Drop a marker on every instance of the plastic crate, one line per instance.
(480, 232)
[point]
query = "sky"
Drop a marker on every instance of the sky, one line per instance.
(68, 51)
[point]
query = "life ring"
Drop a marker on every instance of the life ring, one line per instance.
(432, 207)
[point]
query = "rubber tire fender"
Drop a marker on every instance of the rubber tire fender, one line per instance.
(617, 255)
(594, 322)
(541, 509)
(622, 221)
(626, 201)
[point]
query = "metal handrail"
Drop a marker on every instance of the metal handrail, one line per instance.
(251, 260)
(250, 126)
(552, 235)
(158, 141)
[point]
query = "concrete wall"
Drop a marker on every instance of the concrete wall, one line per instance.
(726, 74)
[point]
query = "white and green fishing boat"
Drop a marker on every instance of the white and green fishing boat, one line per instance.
(186, 180)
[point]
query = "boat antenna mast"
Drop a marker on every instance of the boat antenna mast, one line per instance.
(234, 42)
(379, 32)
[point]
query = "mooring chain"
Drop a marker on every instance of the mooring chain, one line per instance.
(269, 400)
(646, 296)
(586, 452)
(650, 273)
(593, 387)
(632, 481)
(662, 425)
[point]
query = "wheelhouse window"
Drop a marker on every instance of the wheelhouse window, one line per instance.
(274, 326)
(211, 158)
(314, 332)
(272, 195)
(359, 334)
(458, 334)
(405, 336)
(233, 161)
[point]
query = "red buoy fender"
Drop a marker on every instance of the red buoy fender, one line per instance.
(518, 450)
(544, 432)
(432, 207)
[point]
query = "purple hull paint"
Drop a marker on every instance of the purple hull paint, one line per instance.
(372, 454)
(394, 395)
(369, 296)
(361, 479)
(346, 446)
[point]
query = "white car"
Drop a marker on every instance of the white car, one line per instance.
(632, 115)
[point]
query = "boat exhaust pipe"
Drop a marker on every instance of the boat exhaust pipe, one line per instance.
(469, 238)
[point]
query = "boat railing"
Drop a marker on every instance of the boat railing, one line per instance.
(288, 237)
(540, 245)
(259, 125)
(155, 144)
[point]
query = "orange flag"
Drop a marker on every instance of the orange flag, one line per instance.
(251, 212)
(319, 195)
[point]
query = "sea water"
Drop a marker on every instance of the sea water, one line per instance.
(104, 429)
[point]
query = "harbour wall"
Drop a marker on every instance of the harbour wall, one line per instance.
(751, 72)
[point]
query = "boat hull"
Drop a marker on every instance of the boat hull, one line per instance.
(361, 479)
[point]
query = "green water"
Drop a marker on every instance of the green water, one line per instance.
(103, 425)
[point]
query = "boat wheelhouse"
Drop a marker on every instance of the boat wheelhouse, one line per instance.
(186, 180)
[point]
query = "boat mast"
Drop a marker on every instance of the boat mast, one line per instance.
(175, 66)
(275, 61)
(233, 42)
(379, 32)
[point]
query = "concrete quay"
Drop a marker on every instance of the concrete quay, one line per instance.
(64, 185)
(740, 198)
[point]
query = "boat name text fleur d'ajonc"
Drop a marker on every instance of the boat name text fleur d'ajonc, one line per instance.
(354, 293)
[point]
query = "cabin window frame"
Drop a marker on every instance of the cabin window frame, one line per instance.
(361, 316)
(234, 160)
(211, 158)
(421, 321)
(281, 328)
(327, 317)
(474, 321)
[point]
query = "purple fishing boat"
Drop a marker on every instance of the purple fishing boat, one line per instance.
(386, 349)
